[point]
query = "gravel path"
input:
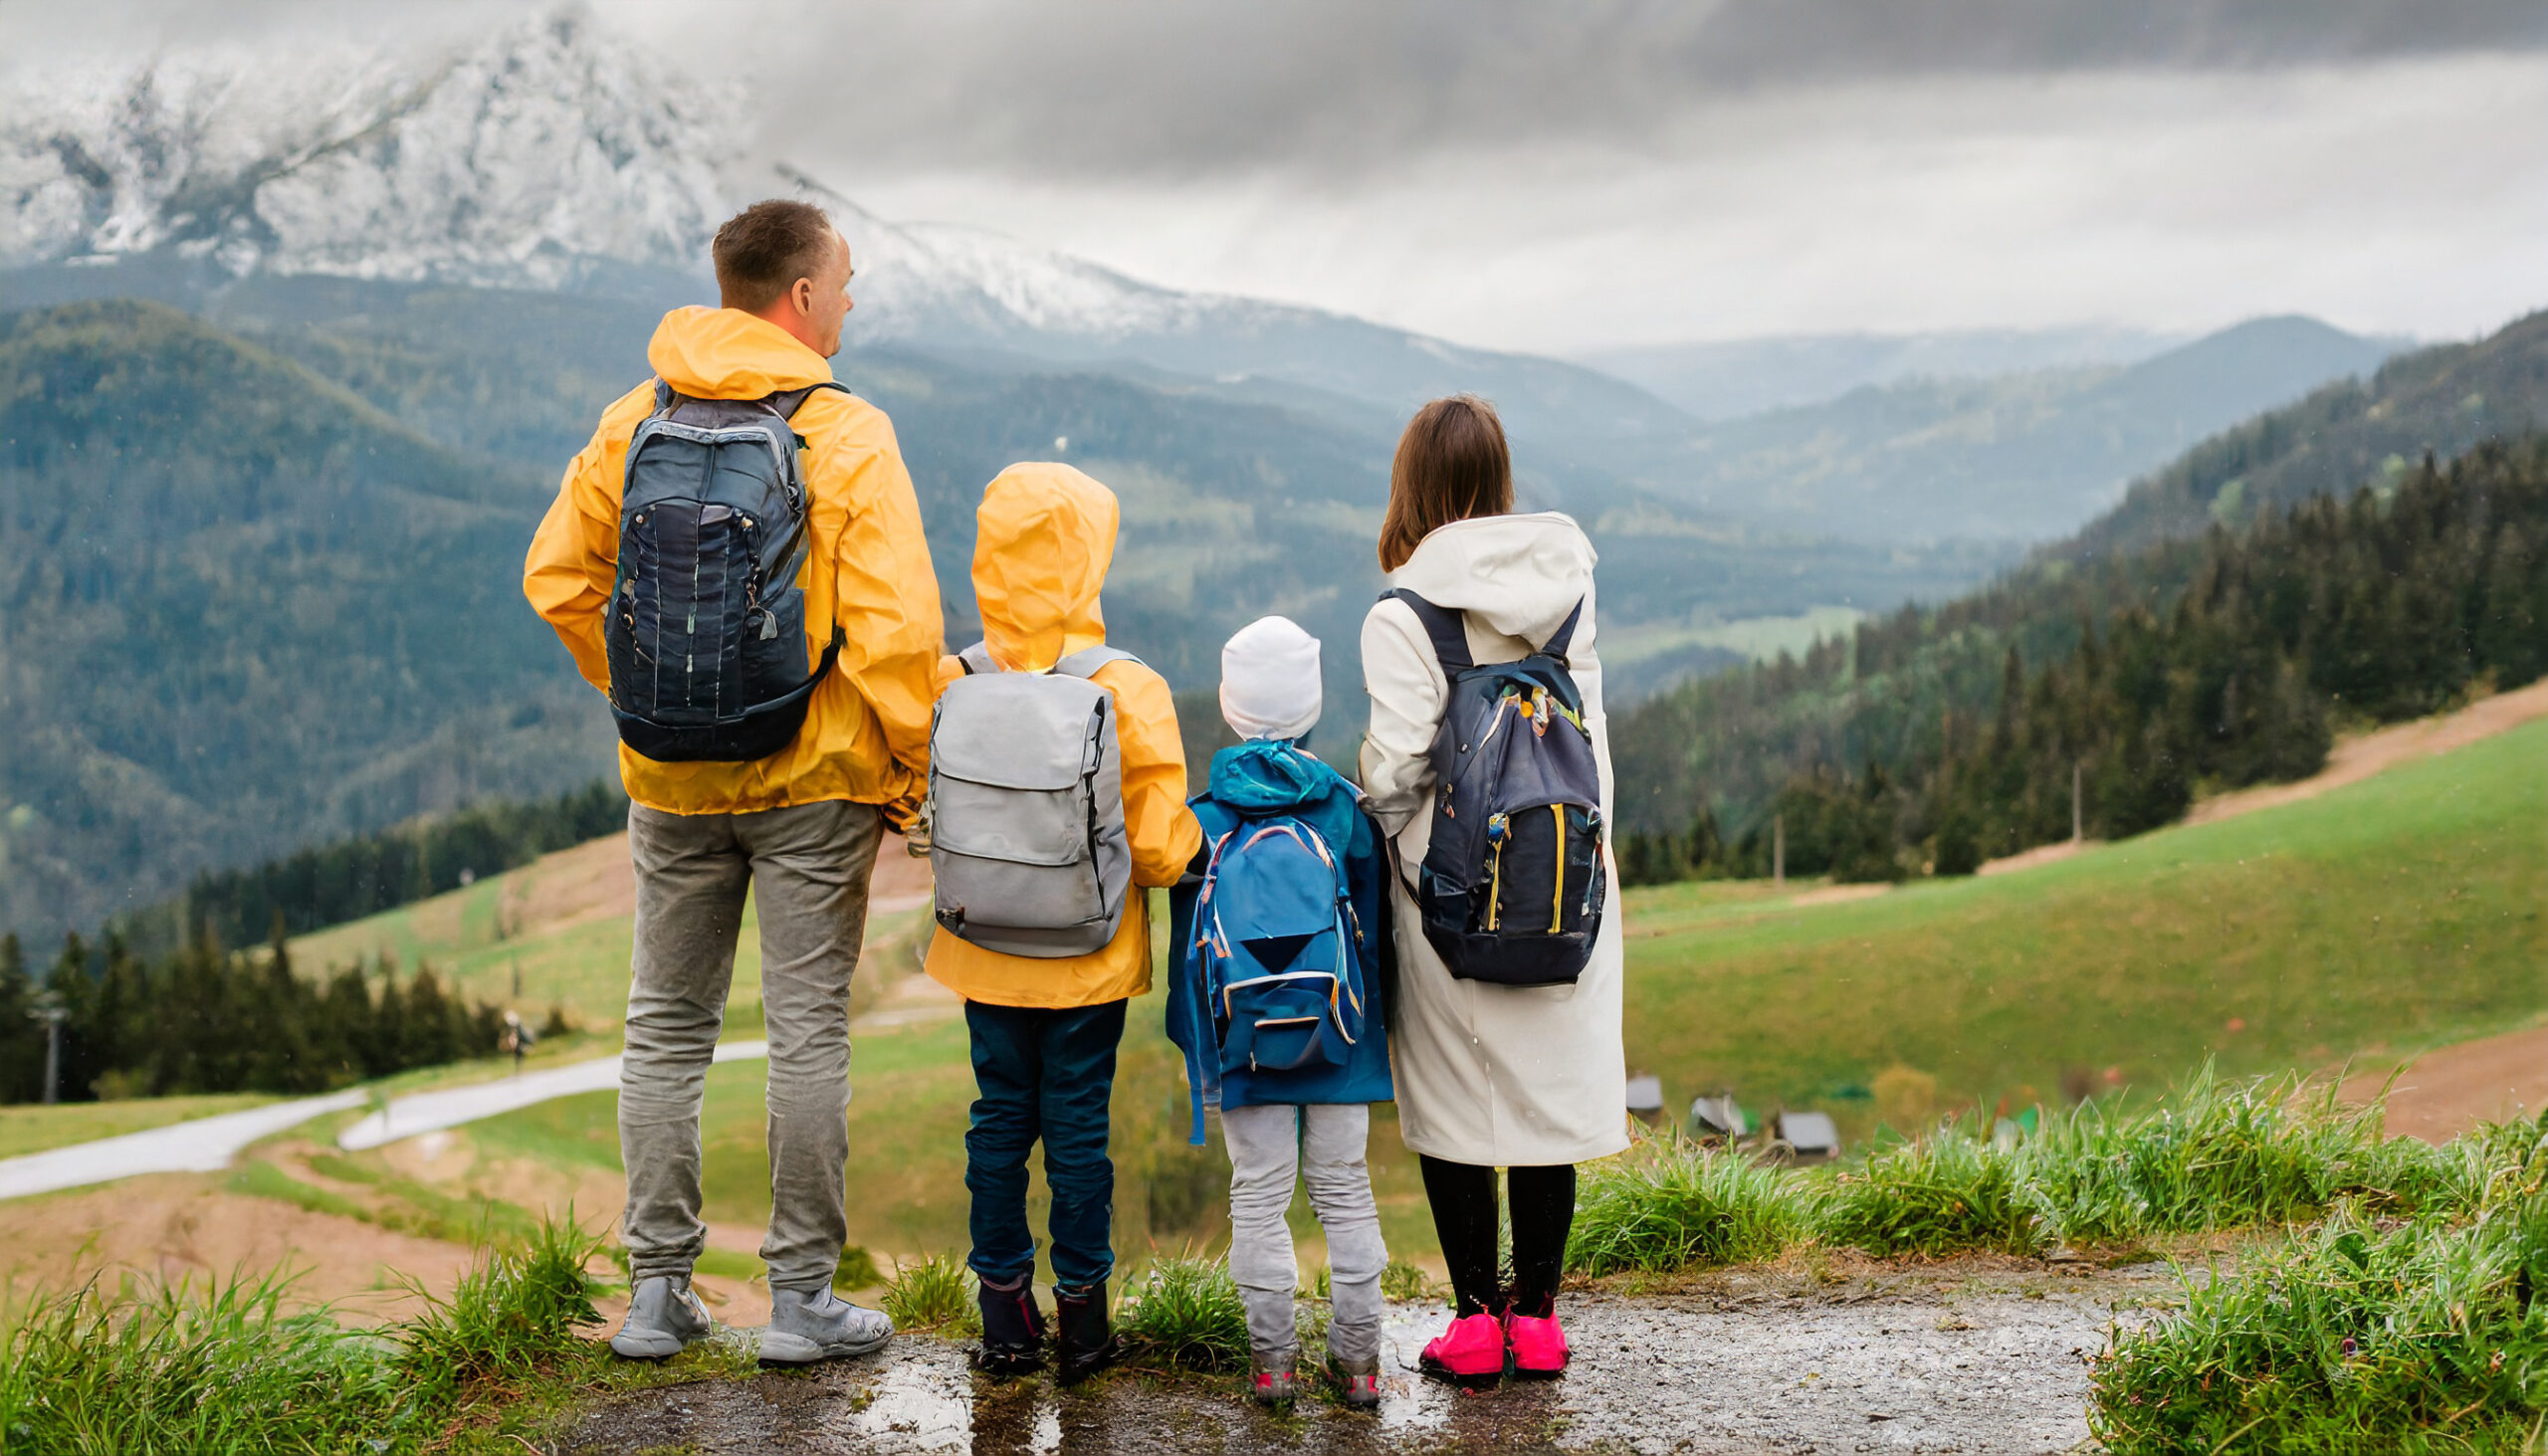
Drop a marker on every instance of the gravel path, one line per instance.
(1746, 1364)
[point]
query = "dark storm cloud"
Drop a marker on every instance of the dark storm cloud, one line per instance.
(1162, 89)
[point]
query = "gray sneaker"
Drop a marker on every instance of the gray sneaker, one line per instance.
(1274, 1378)
(807, 1325)
(665, 1316)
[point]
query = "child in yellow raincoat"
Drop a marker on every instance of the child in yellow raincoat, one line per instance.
(1044, 1030)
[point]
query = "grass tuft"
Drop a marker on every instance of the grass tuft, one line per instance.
(2360, 1335)
(223, 1367)
(934, 1294)
(1947, 1192)
(1187, 1313)
(1403, 1281)
(1666, 1208)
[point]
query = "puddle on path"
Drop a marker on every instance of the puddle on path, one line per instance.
(1735, 1369)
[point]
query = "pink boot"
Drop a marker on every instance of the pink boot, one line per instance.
(1470, 1353)
(1539, 1346)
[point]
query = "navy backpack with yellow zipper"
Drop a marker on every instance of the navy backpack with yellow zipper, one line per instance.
(1511, 886)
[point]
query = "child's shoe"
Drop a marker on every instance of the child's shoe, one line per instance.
(1084, 1336)
(1537, 1343)
(1470, 1353)
(1012, 1329)
(1275, 1381)
(1357, 1382)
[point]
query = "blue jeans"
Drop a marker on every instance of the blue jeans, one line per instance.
(1043, 1074)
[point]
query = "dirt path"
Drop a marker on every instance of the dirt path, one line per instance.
(2449, 1090)
(1745, 1364)
(2355, 760)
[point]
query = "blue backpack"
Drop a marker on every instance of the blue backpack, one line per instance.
(1274, 935)
(1513, 881)
(706, 631)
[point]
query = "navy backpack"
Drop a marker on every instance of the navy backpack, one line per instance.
(706, 632)
(1512, 885)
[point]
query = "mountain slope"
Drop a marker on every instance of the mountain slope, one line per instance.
(2439, 400)
(242, 608)
(2020, 456)
(1727, 380)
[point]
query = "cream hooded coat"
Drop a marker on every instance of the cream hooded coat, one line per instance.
(1492, 1075)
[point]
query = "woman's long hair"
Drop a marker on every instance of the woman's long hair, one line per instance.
(1451, 465)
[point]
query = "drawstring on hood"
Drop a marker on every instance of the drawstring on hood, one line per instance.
(1045, 535)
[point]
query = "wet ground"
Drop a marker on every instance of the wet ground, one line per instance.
(1989, 1362)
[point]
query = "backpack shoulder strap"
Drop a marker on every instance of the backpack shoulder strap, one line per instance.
(1564, 637)
(1444, 626)
(786, 402)
(1084, 662)
(977, 659)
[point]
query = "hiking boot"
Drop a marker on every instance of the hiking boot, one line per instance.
(1012, 1329)
(1275, 1380)
(1357, 1382)
(1470, 1353)
(1085, 1338)
(1538, 1344)
(807, 1325)
(665, 1316)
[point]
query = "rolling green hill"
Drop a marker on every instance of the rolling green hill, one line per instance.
(2388, 915)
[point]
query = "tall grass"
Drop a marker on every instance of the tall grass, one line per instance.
(2428, 1334)
(149, 1368)
(1946, 1193)
(1187, 1313)
(934, 1294)
(1669, 1208)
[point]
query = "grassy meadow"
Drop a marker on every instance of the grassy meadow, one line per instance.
(2386, 916)
(2394, 915)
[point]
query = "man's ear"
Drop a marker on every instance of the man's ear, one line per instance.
(802, 291)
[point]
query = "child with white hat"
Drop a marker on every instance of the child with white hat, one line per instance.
(1274, 998)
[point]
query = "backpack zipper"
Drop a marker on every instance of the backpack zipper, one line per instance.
(1557, 899)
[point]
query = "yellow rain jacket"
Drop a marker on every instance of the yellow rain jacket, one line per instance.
(1046, 534)
(866, 732)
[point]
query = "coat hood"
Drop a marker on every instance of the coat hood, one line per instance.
(726, 353)
(1044, 537)
(1268, 776)
(1518, 574)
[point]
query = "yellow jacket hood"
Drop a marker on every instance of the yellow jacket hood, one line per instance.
(726, 353)
(1045, 535)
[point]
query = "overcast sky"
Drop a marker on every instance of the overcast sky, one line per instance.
(1565, 176)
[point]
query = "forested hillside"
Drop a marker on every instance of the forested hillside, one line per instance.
(2437, 401)
(241, 609)
(2214, 663)
(1882, 696)
(261, 575)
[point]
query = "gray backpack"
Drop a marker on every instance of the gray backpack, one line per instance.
(1026, 808)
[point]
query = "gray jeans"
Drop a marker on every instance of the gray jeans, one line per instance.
(807, 869)
(1323, 1146)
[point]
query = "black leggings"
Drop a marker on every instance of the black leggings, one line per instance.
(1464, 1216)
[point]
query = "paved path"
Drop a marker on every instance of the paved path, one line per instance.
(430, 1112)
(207, 1144)
(202, 1146)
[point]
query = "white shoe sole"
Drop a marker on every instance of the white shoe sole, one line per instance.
(650, 1345)
(781, 1347)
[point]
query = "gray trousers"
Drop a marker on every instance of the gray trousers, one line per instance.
(1320, 1144)
(806, 868)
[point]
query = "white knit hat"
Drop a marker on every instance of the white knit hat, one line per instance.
(1269, 679)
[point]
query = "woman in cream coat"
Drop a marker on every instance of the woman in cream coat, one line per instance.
(1532, 1079)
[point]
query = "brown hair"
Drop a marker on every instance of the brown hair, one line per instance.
(762, 249)
(1451, 465)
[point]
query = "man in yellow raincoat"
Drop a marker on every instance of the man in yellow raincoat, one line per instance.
(1044, 1030)
(798, 829)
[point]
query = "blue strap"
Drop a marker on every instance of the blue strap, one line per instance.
(1556, 645)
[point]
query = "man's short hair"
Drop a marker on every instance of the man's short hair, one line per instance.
(762, 249)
